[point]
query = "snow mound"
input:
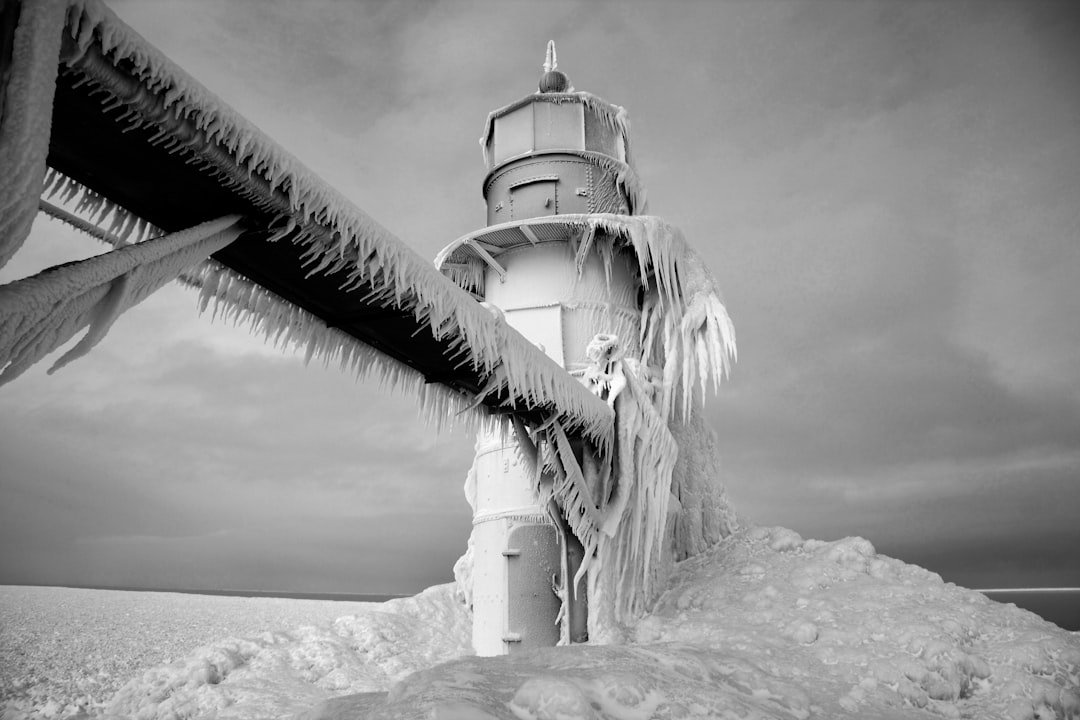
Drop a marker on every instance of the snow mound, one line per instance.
(766, 625)
(882, 634)
(278, 674)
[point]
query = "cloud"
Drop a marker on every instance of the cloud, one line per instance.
(178, 462)
(299, 554)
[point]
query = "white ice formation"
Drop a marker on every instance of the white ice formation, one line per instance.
(767, 625)
(335, 235)
(282, 672)
(653, 369)
(41, 312)
(684, 327)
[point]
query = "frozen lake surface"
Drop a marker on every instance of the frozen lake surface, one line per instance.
(63, 647)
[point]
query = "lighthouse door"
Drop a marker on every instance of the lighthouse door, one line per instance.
(534, 197)
(533, 564)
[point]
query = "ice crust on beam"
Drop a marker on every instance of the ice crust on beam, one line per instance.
(26, 118)
(336, 236)
(41, 312)
(285, 325)
(230, 297)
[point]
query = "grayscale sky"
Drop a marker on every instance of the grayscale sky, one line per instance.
(889, 194)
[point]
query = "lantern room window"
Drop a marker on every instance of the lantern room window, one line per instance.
(539, 126)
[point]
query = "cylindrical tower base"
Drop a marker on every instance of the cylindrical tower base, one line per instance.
(516, 555)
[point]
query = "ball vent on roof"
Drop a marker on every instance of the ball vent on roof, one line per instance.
(553, 81)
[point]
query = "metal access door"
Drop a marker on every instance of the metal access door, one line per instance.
(535, 197)
(532, 569)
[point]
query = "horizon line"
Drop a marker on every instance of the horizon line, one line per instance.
(136, 588)
(1030, 589)
(140, 588)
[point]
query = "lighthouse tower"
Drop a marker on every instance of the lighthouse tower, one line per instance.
(552, 156)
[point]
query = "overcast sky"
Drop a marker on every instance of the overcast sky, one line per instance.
(888, 193)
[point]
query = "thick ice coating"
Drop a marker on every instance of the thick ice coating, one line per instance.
(335, 235)
(40, 313)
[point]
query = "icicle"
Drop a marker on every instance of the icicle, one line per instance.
(628, 533)
(683, 325)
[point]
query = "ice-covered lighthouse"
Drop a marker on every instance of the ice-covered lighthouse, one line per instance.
(568, 537)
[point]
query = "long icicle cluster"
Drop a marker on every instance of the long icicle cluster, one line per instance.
(684, 327)
(633, 531)
(616, 503)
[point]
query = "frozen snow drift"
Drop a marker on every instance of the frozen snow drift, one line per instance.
(767, 625)
(764, 625)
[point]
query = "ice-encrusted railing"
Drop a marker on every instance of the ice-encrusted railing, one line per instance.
(337, 237)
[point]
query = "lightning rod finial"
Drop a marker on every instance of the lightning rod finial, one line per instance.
(553, 80)
(551, 62)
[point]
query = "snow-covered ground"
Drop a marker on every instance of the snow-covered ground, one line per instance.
(765, 625)
(64, 651)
